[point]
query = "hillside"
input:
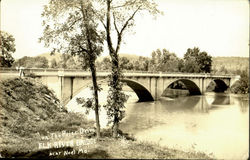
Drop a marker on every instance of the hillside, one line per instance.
(132, 57)
(230, 63)
(27, 110)
(49, 57)
(57, 56)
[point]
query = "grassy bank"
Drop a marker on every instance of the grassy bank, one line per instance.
(33, 124)
(106, 147)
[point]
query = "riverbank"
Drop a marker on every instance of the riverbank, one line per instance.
(106, 147)
(34, 125)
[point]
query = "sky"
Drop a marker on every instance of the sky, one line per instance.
(219, 27)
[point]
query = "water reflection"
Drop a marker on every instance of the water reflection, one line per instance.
(243, 102)
(221, 99)
(213, 123)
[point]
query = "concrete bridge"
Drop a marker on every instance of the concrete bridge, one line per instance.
(147, 85)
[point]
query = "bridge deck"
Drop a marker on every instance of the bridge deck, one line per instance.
(81, 73)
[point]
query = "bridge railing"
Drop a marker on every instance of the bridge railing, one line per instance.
(52, 70)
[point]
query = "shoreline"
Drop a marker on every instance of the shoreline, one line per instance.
(78, 146)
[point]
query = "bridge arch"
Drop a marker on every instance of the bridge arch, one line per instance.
(191, 86)
(141, 91)
(219, 85)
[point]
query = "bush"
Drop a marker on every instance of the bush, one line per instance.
(241, 86)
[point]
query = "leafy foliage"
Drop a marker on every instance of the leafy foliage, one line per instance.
(115, 101)
(125, 64)
(7, 48)
(104, 65)
(32, 62)
(53, 63)
(196, 61)
(242, 86)
(164, 61)
(68, 25)
(69, 62)
(88, 103)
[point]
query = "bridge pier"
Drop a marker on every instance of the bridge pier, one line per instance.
(153, 86)
(159, 87)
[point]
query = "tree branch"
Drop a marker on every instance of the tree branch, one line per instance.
(108, 28)
(83, 49)
(116, 28)
(124, 27)
(130, 18)
(103, 24)
(125, 4)
(74, 23)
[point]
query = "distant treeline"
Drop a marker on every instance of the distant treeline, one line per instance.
(194, 61)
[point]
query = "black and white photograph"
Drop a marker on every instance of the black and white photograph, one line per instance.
(124, 79)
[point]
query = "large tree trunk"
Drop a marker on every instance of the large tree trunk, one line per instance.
(115, 69)
(92, 59)
(95, 87)
(116, 81)
(115, 127)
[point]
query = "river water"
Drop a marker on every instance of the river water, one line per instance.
(214, 123)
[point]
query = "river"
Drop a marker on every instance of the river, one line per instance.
(214, 123)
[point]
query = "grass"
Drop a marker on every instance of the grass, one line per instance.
(111, 148)
(106, 147)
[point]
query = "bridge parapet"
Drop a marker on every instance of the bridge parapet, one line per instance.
(66, 83)
(82, 73)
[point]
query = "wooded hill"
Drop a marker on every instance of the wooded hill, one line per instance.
(230, 63)
(219, 64)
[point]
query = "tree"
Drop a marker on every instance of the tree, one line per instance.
(164, 61)
(70, 27)
(81, 63)
(142, 64)
(153, 63)
(7, 48)
(53, 63)
(63, 60)
(201, 59)
(71, 64)
(191, 65)
(40, 62)
(118, 16)
(68, 62)
(24, 62)
(205, 62)
(181, 65)
(106, 64)
(32, 62)
(242, 86)
(125, 63)
(223, 70)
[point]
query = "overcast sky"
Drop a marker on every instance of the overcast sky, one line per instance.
(219, 27)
